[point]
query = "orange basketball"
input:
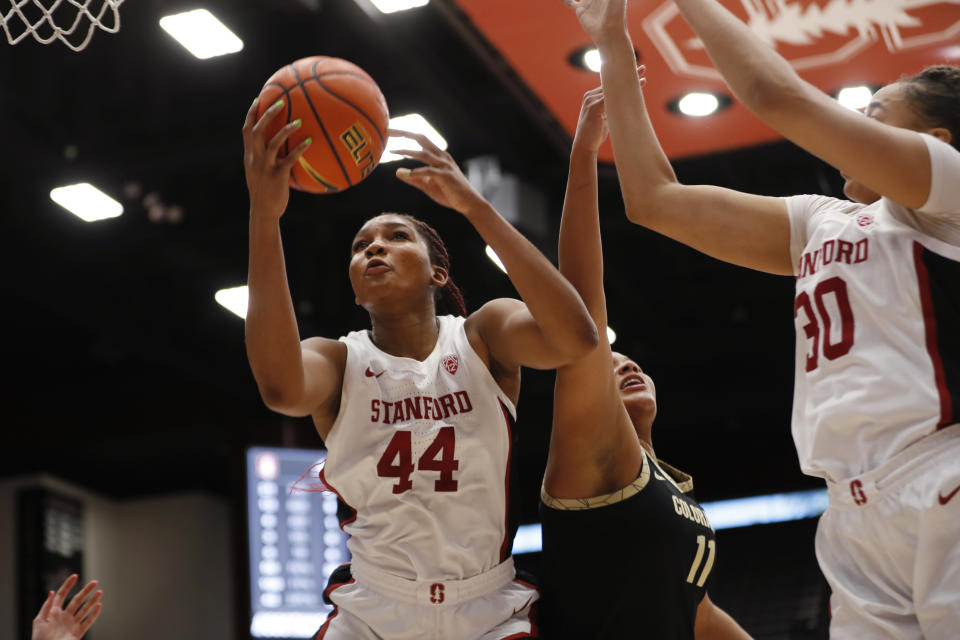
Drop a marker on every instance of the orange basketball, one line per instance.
(344, 112)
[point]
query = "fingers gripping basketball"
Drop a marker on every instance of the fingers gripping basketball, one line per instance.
(342, 110)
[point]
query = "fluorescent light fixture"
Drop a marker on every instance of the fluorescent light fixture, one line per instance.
(86, 202)
(591, 60)
(234, 299)
(495, 258)
(392, 6)
(415, 123)
(611, 335)
(287, 624)
(777, 507)
(855, 98)
(201, 33)
(723, 514)
(698, 104)
(528, 539)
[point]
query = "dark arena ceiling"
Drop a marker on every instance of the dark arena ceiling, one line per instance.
(124, 374)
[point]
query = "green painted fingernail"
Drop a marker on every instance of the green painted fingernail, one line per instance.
(255, 101)
(297, 122)
(308, 141)
(278, 103)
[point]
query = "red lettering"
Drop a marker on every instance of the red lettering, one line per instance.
(836, 286)
(412, 408)
(844, 251)
(827, 249)
(397, 460)
(386, 412)
(438, 410)
(808, 264)
(811, 329)
(427, 408)
(463, 401)
(448, 408)
(445, 445)
(398, 412)
(399, 449)
(862, 251)
(375, 410)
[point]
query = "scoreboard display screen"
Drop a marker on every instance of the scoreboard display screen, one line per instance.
(295, 541)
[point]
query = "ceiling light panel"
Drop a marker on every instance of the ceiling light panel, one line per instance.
(392, 6)
(234, 299)
(86, 202)
(201, 33)
(415, 123)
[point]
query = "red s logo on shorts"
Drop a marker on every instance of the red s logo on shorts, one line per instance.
(856, 490)
(436, 593)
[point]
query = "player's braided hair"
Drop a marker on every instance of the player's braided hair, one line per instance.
(449, 299)
(935, 93)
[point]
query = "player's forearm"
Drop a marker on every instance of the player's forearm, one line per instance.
(642, 166)
(272, 337)
(760, 78)
(580, 253)
(552, 301)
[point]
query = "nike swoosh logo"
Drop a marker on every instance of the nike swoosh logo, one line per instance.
(370, 374)
(657, 476)
(949, 496)
(525, 604)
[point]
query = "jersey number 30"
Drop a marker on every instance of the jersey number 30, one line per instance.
(397, 460)
(831, 350)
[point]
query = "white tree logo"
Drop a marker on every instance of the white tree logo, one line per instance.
(801, 23)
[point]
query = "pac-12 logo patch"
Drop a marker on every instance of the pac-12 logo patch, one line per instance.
(864, 220)
(451, 363)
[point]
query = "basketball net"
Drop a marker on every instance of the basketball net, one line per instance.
(64, 20)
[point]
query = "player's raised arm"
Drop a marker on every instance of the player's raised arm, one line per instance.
(590, 423)
(745, 229)
(293, 379)
(890, 160)
(551, 326)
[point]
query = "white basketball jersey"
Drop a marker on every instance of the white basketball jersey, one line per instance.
(877, 315)
(421, 452)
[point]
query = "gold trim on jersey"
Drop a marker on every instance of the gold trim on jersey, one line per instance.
(682, 481)
(677, 478)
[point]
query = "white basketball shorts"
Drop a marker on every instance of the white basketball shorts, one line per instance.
(373, 605)
(889, 545)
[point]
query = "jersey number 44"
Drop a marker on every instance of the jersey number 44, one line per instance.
(397, 460)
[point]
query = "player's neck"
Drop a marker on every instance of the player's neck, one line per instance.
(406, 335)
(644, 429)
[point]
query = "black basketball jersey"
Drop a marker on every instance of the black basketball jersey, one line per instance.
(634, 563)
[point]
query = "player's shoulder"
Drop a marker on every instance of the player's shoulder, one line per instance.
(816, 205)
(492, 316)
(325, 347)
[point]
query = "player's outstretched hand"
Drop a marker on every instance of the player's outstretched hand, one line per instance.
(56, 622)
(440, 178)
(600, 18)
(592, 125)
(268, 175)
